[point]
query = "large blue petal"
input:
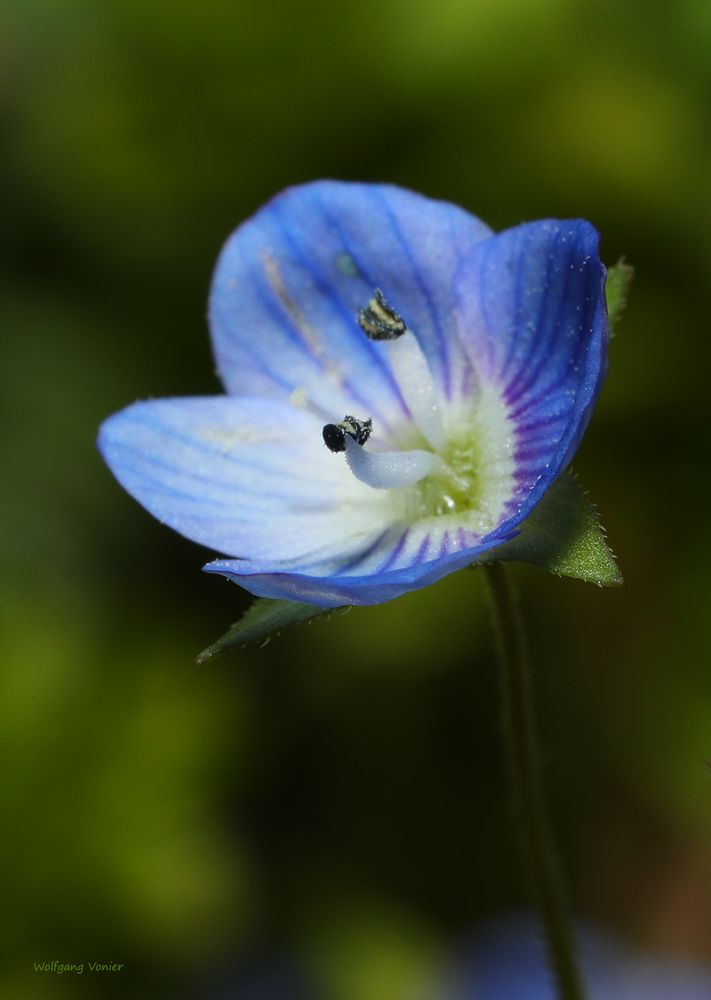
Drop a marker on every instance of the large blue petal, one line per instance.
(290, 280)
(422, 553)
(249, 478)
(532, 314)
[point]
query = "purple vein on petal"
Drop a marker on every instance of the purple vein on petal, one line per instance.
(541, 347)
(532, 451)
(419, 556)
(517, 310)
(526, 379)
(444, 544)
(556, 389)
(395, 554)
(363, 556)
(465, 538)
(525, 470)
(525, 428)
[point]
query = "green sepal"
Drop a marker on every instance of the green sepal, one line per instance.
(619, 279)
(563, 535)
(265, 619)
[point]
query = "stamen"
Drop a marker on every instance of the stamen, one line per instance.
(379, 321)
(412, 374)
(387, 469)
(334, 435)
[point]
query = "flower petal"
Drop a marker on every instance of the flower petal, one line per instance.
(403, 558)
(532, 314)
(290, 281)
(249, 478)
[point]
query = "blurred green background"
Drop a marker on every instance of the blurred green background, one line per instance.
(336, 798)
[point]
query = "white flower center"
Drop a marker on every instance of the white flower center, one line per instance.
(466, 474)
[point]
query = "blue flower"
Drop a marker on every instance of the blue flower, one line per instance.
(507, 959)
(451, 371)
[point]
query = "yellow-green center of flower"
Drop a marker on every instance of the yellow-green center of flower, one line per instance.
(455, 490)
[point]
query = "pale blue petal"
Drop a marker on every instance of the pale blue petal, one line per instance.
(249, 478)
(404, 558)
(291, 279)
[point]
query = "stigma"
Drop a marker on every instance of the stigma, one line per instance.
(334, 435)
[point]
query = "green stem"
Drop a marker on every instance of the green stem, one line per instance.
(519, 734)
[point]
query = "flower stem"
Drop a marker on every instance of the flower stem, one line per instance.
(521, 743)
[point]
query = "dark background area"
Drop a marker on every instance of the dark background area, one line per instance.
(334, 801)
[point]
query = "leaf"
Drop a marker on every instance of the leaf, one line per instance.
(265, 619)
(563, 535)
(617, 286)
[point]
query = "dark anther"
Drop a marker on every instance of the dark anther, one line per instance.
(334, 435)
(379, 321)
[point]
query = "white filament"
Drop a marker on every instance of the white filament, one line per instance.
(387, 469)
(412, 373)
